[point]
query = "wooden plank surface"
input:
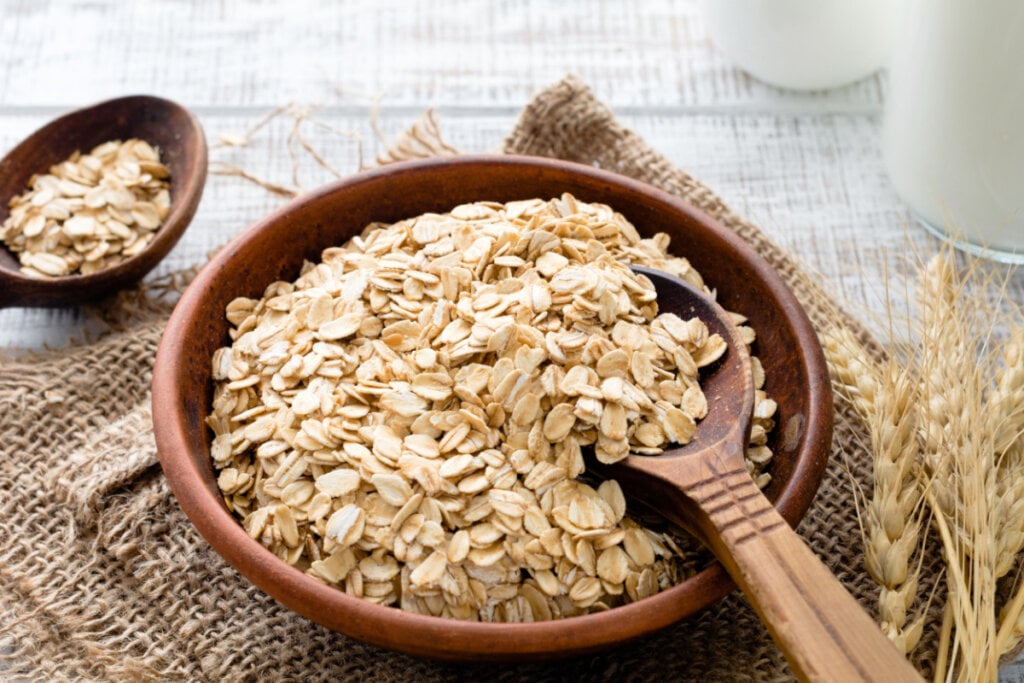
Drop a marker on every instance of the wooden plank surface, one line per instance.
(806, 167)
(462, 53)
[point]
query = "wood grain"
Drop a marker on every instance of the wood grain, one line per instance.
(807, 168)
(460, 53)
(825, 634)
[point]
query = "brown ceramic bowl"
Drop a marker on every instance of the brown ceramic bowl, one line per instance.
(275, 249)
(161, 123)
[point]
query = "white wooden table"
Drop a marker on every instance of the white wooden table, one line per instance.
(806, 167)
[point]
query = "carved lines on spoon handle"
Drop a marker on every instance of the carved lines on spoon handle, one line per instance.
(734, 503)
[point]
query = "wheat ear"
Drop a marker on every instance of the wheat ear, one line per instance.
(891, 519)
(1005, 409)
(1007, 425)
(959, 456)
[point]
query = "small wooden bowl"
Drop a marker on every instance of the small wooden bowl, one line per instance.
(275, 249)
(161, 123)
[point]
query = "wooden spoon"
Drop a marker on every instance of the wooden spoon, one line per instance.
(163, 124)
(705, 488)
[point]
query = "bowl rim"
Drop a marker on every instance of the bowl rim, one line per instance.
(186, 193)
(439, 637)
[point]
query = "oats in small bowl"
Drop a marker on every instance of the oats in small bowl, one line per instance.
(92, 201)
(90, 211)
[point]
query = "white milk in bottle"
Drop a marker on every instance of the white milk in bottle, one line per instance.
(953, 134)
(804, 44)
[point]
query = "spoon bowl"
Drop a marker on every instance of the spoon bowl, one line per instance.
(163, 124)
(704, 487)
(728, 383)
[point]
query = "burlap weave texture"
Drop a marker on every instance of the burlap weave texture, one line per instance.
(103, 577)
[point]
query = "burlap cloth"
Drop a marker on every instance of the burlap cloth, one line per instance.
(103, 577)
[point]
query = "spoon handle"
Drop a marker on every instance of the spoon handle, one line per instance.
(824, 633)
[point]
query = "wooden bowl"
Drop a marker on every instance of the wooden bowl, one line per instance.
(275, 248)
(161, 123)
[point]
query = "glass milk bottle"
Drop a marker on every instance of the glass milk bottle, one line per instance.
(953, 135)
(804, 44)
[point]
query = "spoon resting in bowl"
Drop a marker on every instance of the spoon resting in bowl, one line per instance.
(704, 487)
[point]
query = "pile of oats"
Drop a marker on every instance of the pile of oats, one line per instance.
(407, 420)
(89, 212)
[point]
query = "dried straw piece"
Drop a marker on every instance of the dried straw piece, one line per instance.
(300, 114)
(422, 141)
(225, 169)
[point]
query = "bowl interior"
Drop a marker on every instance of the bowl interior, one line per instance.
(275, 249)
(163, 124)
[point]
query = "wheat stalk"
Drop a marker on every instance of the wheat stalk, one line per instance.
(969, 419)
(942, 347)
(946, 428)
(1011, 617)
(1007, 425)
(891, 520)
(1007, 402)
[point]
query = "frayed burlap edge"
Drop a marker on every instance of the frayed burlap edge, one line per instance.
(102, 577)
